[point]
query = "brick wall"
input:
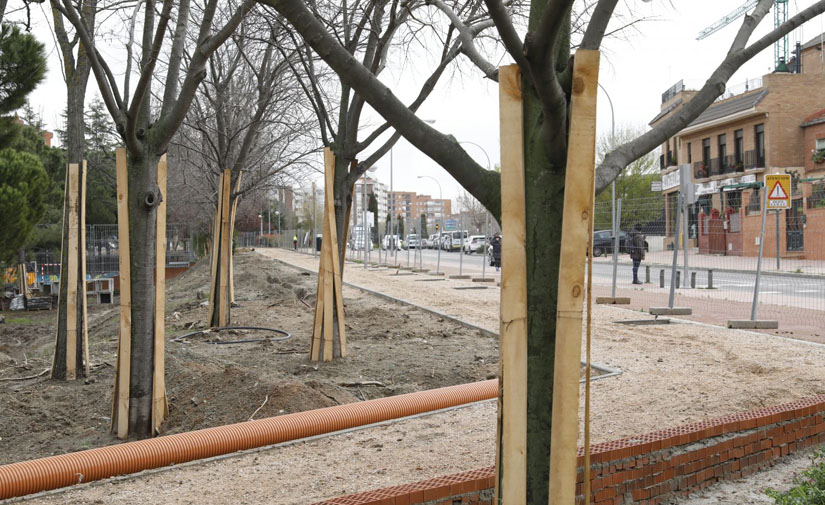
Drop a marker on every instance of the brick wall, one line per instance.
(649, 468)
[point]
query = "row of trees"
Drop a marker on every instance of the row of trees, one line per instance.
(335, 53)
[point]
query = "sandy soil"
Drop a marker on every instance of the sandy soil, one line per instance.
(671, 375)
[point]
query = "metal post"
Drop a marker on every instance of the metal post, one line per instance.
(487, 244)
(759, 260)
(461, 250)
(407, 227)
(364, 229)
(685, 238)
(672, 295)
(693, 279)
(710, 279)
(314, 222)
(647, 274)
(777, 240)
(662, 278)
(392, 215)
(615, 240)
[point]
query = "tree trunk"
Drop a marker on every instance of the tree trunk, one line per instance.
(544, 202)
(220, 294)
(144, 198)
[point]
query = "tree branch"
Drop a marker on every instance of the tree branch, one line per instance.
(597, 26)
(625, 154)
(509, 36)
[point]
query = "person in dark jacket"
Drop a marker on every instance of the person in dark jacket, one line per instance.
(637, 250)
(496, 245)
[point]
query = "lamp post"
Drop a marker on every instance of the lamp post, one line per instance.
(487, 215)
(613, 217)
(261, 236)
(441, 229)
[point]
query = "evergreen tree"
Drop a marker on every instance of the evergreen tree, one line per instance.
(22, 68)
(424, 226)
(23, 188)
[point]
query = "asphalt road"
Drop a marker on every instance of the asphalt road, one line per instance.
(785, 289)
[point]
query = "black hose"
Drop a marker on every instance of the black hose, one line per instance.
(286, 336)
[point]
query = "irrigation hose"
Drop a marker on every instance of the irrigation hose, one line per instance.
(26, 477)
(285, 335)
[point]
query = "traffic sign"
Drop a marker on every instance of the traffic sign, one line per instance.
(778, 187)
(450, 225)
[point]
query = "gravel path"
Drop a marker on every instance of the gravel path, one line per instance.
(672, 374)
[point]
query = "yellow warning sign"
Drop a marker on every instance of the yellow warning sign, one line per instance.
(778, 187)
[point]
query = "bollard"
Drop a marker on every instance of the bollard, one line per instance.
(662, 278)
(710, 279)
(678, 279)
(693, 280)
(647, 274)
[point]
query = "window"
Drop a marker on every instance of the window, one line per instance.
(723, 150)
(820, 144)
(690, 157)
(733, 200)
(754, 202)
(759, 144)
(739, 148)
(706, 152)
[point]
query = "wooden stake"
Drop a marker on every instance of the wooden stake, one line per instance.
(231, 235)
(225, 250)
(120, 419)
(214, 252)
(62, 248)
(82, 261)
(511, 465)
(578, 204)
(160, 408)
(71, 276)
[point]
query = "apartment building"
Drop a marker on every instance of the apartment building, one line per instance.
(410, 206)
(774, 124)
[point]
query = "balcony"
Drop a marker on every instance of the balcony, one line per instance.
(754, 159)
(700, 170)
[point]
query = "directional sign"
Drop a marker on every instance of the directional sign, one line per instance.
(778, 187)
(450, 225)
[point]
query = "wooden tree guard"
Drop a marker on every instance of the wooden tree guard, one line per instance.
(219, 293)
(578, 207)
(511, 461)
(231, 235)
(328, 300)
(73, 274)
(120, 400)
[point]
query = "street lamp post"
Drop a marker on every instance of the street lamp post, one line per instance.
(487, 216)
(261, 236)
(614, 218)
(441, 229)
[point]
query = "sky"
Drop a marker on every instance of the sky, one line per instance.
(635, 70)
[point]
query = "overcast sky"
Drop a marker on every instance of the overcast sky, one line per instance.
(635, 71)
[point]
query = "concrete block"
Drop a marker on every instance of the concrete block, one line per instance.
(747, 324)
(459, 277)
(421, 270)
(667, 311)
(436, 273)
(484, 279)
(609, 300)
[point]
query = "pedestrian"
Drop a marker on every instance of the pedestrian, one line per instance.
(496, 245)
(295, 242)
(637, 250)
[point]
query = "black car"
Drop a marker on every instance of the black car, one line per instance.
(603, 243)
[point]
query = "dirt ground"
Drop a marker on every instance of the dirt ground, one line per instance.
(210, 384)
(671, 375)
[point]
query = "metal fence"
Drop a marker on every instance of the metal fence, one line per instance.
(714, 270)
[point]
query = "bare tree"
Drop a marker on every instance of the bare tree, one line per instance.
(146, 134)
(472, 208)
(544, 58)
(247, 117)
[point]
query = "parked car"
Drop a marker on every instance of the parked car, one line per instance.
(390, 241)
(411, 242)
(603, 243)
(474, 244)
(432, 242)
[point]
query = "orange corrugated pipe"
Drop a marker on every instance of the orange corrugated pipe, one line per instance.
(18, 479)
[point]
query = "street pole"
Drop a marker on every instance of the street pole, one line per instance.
(261, 237)
(461, 250)
(685, 238)
(777, 240)
(672, 295)
(761, 247)
(314, 222)
(392, 215)
(407, 227)
(441, 229)
(364, 218)
(615, 220)
(280, 235)
(486, 244)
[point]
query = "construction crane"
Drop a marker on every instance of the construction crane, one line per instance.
(780, 15)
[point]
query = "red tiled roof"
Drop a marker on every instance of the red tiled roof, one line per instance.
(816, 117)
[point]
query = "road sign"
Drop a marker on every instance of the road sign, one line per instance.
(778, 187)
(450, 225)
(656, 186)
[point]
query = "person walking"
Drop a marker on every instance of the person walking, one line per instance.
(637, 250)
(295, 242)
(496, 245)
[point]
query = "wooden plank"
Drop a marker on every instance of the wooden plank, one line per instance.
(226, 240)
(160, 408)
(578, 204)
(329, 231)
(214, 252)
(71, 276)
(336, 268)
(82, 261)
(232, 234)
(125, 339)
(513, 330)
(62, 248)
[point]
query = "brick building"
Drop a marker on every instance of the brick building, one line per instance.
(771, 125)
(411, 206)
